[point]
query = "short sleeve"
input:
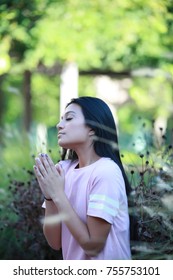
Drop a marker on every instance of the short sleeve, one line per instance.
(106, 193)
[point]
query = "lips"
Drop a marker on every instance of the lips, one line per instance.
(60, 134)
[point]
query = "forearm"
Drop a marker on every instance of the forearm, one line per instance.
(52, 226)
(91, 244)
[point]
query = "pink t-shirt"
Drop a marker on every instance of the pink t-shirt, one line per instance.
(97, 190)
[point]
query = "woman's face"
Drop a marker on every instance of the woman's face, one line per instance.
(72, 130)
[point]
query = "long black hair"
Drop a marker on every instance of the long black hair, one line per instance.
(98, 117)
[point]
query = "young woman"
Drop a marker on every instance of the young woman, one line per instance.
(88, 187)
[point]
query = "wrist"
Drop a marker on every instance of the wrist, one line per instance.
(62, 202)
(47, 198)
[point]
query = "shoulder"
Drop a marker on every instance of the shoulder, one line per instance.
(108, 174)
(107, 167)
(107, 180)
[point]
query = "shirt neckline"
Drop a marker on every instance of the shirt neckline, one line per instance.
(87, 166)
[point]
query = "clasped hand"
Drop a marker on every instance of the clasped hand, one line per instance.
(50, 177)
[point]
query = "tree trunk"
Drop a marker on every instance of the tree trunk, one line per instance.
(27, 100)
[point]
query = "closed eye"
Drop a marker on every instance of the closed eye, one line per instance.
(69, 119)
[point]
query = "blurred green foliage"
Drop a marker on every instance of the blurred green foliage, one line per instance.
(121, 36)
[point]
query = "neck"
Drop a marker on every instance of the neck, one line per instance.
(86, 157)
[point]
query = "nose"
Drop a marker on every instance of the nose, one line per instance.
(60, 125)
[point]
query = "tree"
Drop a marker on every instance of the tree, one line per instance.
(116, 37)
(18, 18)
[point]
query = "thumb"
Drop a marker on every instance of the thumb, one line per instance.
(59, 168)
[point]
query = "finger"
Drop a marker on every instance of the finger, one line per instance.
(50, 162)
(57, 166)
(40, 167)
(45, 162)
(59, 169)
(37, 173)
(40, 156)
(39, 177)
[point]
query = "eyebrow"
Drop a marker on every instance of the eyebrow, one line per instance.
(69, 112)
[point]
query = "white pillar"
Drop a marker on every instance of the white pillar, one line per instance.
(69, 84)
(41, 138)
(113, 92)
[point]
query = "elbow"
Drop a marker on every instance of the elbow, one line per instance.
(93, 252)
(93, 249)
(53, 245)
(52, 240)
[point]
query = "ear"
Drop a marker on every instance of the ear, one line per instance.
(91, 132)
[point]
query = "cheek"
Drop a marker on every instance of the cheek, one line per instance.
(79, 132)
(77, 127)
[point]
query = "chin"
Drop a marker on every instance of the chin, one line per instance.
(64, 145)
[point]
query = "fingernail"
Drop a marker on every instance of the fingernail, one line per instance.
(42, 155)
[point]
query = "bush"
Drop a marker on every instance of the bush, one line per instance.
(151, 177)
(153, 199)
(22, 237)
